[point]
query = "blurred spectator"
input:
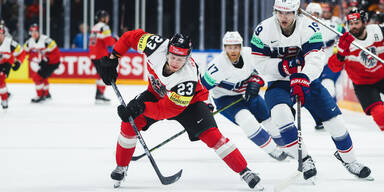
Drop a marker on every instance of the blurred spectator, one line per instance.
(78, 40)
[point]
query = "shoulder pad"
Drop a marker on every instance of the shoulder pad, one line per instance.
(149, 43)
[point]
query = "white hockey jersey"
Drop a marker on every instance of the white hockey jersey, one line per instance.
(223, 78)
(330, 38)
(9, 48)
(270, 46)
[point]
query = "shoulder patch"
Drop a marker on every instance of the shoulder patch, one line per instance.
(257, 41)
(316, 37)
(143, 41)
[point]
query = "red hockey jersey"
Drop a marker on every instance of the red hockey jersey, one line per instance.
(99, 41)
(42, 47)
(174, 92)
(361, 67)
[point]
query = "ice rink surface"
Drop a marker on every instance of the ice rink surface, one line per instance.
(67, 145)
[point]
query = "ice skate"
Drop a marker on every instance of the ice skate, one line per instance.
(278, 154)
(319, 127)
(118, 175)
(4, 104)
(309, 169)
(48, 96)
(101, 99)
(251, 179)
(356, 168)
(37, 99)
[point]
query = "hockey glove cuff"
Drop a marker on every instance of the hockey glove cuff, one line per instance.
(300, 86)
(108, 71)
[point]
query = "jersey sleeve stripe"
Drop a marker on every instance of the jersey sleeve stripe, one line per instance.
(308, 47)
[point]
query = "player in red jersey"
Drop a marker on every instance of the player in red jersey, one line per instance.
(99, 41)
(366, 73)
(12, 55)
(175, 93)
(43, 50)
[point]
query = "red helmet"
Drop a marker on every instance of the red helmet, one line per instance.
(34, 27)
(356, 14)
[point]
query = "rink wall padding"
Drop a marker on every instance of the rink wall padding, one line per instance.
(76, 67)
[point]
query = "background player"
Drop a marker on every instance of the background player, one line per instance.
(229, 76)
(43, 50)
(99, 41)
(366, 73)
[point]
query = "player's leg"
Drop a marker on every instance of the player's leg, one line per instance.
(100, 86)
(199, 123)
(370, 100)
(326, 108)
(240, 115)
(3, 91)
(47, 95)
(39, 85)
(278, 100)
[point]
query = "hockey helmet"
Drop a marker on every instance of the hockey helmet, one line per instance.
(232, 38)
(356, 14)
(286, 5)
(314, 8)
(34, 27)
(101, 14)
(180, 45)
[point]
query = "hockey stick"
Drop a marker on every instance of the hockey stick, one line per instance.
(135, 158)
(164, 180)
(299, 173)
(340, 34)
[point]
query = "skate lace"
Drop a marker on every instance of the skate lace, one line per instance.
(120, 169)
(308, 164)
(354, 167)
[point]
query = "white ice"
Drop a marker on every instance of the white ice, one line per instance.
(68, 144)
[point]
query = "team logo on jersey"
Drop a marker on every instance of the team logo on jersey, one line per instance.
(157, 86)
(285, 52)
(368, 60)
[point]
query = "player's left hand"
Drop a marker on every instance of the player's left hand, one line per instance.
(16, 65)
(253, 87)
(300, 86)
(134, 108)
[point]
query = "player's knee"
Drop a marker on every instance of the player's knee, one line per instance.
(377, 113)
(37, 79)
(281, 115)
(330, 86)
(335, 126)
(247, 122)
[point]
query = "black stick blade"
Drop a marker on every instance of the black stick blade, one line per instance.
(171, 179)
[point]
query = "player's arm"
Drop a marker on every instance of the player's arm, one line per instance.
(313, 54)
(18, 53)
(106, 36)
(212, 75)
(51, 51)
(179, 97)
(262, 55)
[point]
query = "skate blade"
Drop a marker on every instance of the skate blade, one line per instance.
(117, 184)
(100, 102)
(369, 178)
(258, 188)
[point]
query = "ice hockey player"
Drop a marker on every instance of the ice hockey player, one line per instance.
(232, 75)
(99, 41)
(12, 55)
(327, 78)
(283, 45)
(42, 49)
(366, 73)
(174, 92)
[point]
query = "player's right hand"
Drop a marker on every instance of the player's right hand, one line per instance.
(289, 66)
(344, 43)
(134, 108)
(108, 72)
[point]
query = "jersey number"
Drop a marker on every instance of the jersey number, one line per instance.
(315, 27)
(154, 41)
(213, 69)
(185, 89)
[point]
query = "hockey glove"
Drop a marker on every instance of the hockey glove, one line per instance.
(210, 106)
(300, 86)
(344, 43)
(253, 87)
(134, 108)
(5, 68)
(108, 72)
(16, 65)
(289, 66)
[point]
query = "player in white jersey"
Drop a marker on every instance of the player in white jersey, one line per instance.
(174, 93)
(327, 78)
(288, 49)
(11, 56)
(229, 76)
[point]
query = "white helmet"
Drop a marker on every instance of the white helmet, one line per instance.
(314, 8)
(286, 5)
(232, 38)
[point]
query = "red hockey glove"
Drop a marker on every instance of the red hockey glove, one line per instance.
(289, 66)
(134, 108)
(344, 43)
(253, 87)
(299, 86)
